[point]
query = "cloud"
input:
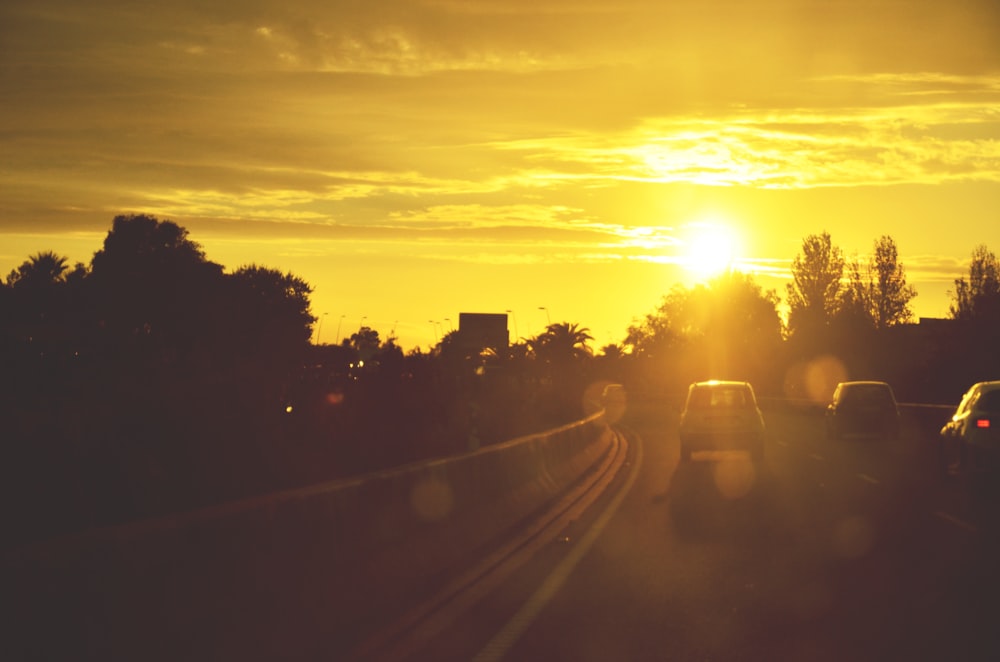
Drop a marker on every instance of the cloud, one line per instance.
(947, 139)
(501, 130)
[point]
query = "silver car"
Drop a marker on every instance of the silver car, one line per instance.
(721, 415)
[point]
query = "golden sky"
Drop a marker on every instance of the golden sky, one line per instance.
(412, 160)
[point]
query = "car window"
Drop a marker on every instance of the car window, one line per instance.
(700, 398)
(731, 397)
(868, 393)
(990, 401)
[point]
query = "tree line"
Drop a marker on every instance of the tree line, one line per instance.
(151, 380)
(856, 313)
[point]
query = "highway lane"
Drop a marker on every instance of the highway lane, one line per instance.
(829, 550)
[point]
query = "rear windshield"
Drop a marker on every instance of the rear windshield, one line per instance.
(989, 401)
(735, 396)
(867, 393)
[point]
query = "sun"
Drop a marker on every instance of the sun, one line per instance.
(711, 248)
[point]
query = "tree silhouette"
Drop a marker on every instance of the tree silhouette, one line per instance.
(658, 335)
(976, 310)
(258, 336)
(155, 380)
(891, 293)
(272, 308)
(561, 343)
(138, 243)
(724, 328)
(365, 342)
(747, 315)
(152, 292)
(814, 293)
(560, 359)
(978, 297)
(612, 351)
(42, 304)
(877, 293)
(41, 270)
(855, 310)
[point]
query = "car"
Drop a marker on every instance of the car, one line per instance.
(721, 415)
(970, 441)
(614, 401)
(865, 408)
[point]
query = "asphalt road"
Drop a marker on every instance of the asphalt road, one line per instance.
(827, 551)
(830, 550)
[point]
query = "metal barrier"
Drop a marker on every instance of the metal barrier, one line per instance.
(356, 547)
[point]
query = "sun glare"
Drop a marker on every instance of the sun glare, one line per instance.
(711, 248)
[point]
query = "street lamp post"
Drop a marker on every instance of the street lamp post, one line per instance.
(319, 328)
(437, 338)
(513, 317)
(338, 327)
(361, 324)
(547, 316)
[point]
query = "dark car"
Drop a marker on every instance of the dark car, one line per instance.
(863, 408)
(721, 415)
(970, 441)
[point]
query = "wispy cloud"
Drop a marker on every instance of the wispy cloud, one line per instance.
(945, 140)
(503, 132)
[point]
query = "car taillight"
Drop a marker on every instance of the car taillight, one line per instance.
(983, 423)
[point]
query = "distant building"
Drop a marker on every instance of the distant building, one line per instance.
(936, 323)
(924, 335)
(479, 331)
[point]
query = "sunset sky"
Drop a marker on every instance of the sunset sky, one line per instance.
(412, 160)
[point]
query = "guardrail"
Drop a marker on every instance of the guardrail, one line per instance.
(355, 547)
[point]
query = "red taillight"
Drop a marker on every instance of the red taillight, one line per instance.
(982, 423)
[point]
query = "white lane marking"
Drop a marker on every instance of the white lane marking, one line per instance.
(817, 457)
(868, 479)
(962, 524)
(782, 442)
(505, 639)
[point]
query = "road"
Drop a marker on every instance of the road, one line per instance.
(830, 550)
(826, 551)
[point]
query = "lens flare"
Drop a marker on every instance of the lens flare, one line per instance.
(735, 477)
(432, 499)
(853, 538)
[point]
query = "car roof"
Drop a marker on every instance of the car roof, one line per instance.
(719, 382)
(864, 382)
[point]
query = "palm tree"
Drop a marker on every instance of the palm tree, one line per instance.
(561, 363)
(562, 343)
(37, 310)
(45, 268)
